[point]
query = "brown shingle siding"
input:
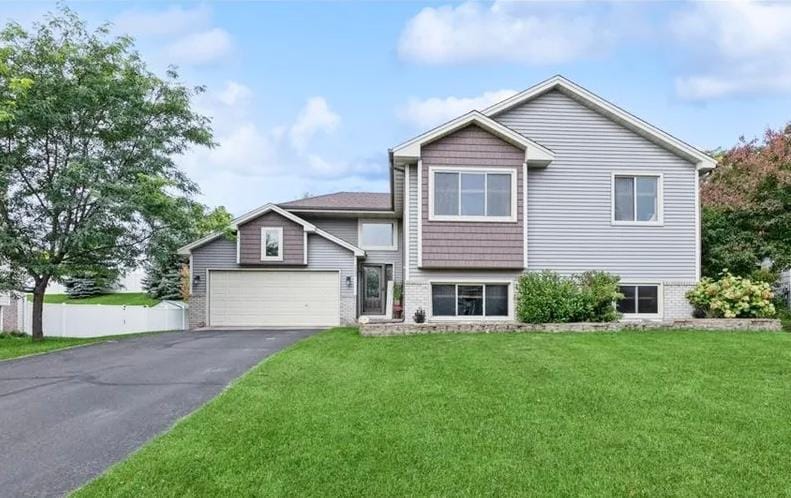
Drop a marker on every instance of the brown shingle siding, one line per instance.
(250, 241)
(448, 244)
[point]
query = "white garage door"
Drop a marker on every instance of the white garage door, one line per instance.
(274, 298)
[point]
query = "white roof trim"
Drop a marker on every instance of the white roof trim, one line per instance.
(535, 154)
(702, 160)
(255, 213)
(187, 250)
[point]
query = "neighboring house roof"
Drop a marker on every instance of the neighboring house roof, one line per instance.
(368, 201)
(535, 153)
(255, 213)
(610, 110)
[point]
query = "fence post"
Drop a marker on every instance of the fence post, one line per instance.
(63, 312)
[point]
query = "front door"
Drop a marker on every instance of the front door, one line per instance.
(373, 290)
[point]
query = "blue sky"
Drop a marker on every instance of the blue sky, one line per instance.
(307, 97)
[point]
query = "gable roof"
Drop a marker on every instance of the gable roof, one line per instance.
(535, 153)
(255, 213)
(373, 201)
(609, 110)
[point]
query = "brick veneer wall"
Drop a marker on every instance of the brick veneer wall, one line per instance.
(674, 302)
(197, 311)
(416, 295)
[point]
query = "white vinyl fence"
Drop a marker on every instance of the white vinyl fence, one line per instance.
(93, 320)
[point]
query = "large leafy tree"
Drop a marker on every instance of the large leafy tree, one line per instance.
(88, 135)
(747, 206)
(163, 265)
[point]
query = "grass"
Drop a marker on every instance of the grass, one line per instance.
(636, 413)
(14, 346)
(784, 315)
(118, 298)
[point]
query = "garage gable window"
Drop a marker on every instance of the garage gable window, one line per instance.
(271, 243)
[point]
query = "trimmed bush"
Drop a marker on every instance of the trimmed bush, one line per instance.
(547, 297)
(732, 297)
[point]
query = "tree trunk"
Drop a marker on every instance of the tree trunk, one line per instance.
(38, 309)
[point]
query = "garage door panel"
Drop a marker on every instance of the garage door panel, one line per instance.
(274, 298)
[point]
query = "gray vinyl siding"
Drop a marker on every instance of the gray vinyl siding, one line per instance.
(450, 244)
(250, 242)
(413, 222)
(221, 254)
(217, 254)
(569, 204)
(346, 229)
(398, 191)
(326, 255)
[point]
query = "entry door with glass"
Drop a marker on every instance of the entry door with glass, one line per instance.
(373, 290)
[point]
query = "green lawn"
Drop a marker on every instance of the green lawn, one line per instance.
(15, 346)
(118, 298)
(627, 414)
(11, 346)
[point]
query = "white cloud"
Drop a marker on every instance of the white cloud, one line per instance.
(201, 48)
(254, 163)
(235, 94)
(172, 21)
(315, 117)
(742, 47)
(427, 113)
(507, 32)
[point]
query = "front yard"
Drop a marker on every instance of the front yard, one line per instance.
(651, 413)
(15, 346)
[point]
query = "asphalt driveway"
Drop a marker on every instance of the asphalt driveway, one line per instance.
(66, 416)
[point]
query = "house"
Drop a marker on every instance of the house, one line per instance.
(553, 178)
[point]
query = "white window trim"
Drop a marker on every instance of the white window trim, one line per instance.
(480, 170)
(465, 318)
(660, 293)
(279, 231)
(374, 221)
(660, 195)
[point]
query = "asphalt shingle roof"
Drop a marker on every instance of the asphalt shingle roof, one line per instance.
(343, 200)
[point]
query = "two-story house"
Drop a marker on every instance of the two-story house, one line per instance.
(553, 178)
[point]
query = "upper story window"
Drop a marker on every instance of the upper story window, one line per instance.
(378, 235)
(272, 244)
(637, 199)
(472, 195)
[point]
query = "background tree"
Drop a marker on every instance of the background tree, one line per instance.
(87, 175)
(91, 284)
(163, 265)
(746, 203)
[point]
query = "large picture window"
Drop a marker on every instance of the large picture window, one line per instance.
(483, 300)
(272, 244)
(639, 300)
(637, 198)
(473, 195)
